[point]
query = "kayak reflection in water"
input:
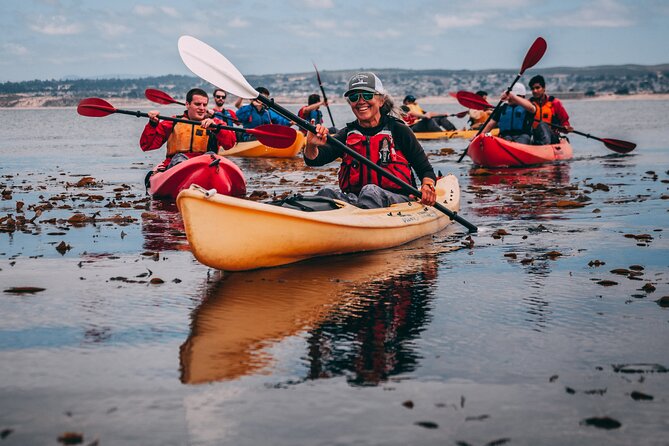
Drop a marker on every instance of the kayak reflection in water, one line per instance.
(375, 342)
(380, 135)
(359, 321)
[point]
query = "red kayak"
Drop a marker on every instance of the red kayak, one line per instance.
(492, 151)
(208, 171)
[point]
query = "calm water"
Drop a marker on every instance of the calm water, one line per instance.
(525, 337)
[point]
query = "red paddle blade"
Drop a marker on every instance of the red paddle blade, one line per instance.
(534, 54)
(619, 146)
(472, 100)
(159, 97)
(95, 108)
(462, 114)
(455, 95)
(273, 135)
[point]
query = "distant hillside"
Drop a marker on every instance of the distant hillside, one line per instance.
(565, 81)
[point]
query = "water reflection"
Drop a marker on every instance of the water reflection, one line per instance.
(163, 228)
(527, 193)
(358, 315)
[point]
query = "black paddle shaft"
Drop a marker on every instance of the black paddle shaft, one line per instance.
(140, 114)
(407, 187)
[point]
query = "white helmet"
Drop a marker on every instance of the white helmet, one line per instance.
(519, 89)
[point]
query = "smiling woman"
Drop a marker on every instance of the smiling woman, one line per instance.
(380, 136)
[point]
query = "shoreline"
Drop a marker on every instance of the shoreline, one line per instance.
(38, 102)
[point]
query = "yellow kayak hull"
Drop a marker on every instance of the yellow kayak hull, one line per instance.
(466, 134)
(255, 149)
(232, 234)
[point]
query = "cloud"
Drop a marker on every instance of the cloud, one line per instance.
(597, 14)
(465, 20)
(14, 49)
(55, 26)
(113, 29)
(170, 11)
(319, 4)
(143, 10)
(238, 23)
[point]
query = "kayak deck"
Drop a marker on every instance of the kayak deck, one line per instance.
(208, 170)
(250, 235)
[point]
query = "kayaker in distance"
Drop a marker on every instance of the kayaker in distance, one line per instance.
(478, 117)
(421, 121)
(311, 112)
(379, 136)
(256, 113)
(227, 115)
(515, 117)
(549, 110)
(186, 140)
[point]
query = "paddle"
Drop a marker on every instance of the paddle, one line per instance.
(272, 135)
(616, 145)
(471, 100)
(461, 114)
(320, 84)
(534, 55)
(213, 67)
(160, 97)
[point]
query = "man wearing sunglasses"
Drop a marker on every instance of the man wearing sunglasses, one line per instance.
(379, 135)
(183, 140)
(219, 111)
(256, 113)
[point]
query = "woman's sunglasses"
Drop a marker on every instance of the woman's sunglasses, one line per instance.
(355, 97)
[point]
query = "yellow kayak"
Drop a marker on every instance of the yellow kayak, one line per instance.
(467, 134)
(255, 149)
(232, 234)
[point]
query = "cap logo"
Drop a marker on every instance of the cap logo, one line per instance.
(360, 79)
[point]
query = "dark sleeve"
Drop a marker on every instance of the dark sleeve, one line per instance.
(328, 152)
(406, 141)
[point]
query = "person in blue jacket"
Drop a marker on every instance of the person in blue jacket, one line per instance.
(515, 117)
(256, 113)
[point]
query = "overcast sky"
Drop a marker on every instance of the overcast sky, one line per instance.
(44, 39)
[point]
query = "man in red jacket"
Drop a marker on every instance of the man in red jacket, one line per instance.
(186, 141)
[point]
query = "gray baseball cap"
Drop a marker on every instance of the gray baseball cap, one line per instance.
(365, 81)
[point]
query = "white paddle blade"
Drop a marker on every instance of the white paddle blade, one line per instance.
(213, 67)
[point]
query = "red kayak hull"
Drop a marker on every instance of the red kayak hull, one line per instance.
(492, 151)
(208, 171)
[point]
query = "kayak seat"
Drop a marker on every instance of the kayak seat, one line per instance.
(306, 204)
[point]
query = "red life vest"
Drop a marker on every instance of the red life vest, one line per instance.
(379, 149)
(544, 112)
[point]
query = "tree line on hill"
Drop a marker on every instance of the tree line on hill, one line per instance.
(572, 82)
